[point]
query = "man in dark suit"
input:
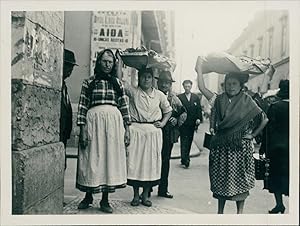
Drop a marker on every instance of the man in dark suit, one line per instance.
(191, 102)
(66, 107)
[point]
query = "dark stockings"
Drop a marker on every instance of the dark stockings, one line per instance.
(146, 190)
(278, 198)
(221, 205)
(239, 206)
(88, 196)
(136, 195)
(104, 198)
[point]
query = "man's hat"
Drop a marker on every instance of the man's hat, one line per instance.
(166, 76)
(69, 57)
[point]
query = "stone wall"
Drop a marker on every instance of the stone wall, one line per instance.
(37, 154)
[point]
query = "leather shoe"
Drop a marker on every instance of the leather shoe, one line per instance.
(147, 203)
(135, 202)
(277, 209)
(187, 164)
(165, 195)
(149, 195)
(85, 203)
(106, 208)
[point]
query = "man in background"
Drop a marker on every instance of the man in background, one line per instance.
(191, 102)
(170, 131)
(66, 107)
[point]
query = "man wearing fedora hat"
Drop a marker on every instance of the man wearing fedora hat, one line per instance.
(66, 107)
(170, 131)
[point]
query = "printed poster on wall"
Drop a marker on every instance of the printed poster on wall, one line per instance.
(110, 29)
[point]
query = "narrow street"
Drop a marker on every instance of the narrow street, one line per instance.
(190, 187)
(68, 68)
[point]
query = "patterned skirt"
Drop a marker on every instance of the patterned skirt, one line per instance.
(231, 171)
(101, 166)
(144, 155)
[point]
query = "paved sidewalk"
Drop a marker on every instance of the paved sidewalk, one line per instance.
(121, 207)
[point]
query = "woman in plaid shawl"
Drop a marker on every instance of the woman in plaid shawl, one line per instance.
(235, 121)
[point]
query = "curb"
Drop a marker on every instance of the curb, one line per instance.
(191, 156)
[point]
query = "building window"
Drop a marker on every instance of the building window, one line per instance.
(251, 50)
(269, 86)
(271, 33)
(260, 46)
(283, 35)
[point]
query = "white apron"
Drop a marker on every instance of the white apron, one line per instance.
(102, 164)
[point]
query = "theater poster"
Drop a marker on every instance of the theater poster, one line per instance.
(114, 30)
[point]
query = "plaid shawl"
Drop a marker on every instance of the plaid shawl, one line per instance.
(232, 118)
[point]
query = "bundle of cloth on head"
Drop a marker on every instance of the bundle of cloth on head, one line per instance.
(141, 57)
(223, 63)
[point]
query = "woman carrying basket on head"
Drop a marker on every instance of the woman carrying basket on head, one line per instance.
(150, 110)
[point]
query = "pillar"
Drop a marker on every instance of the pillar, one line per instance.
(36, 79)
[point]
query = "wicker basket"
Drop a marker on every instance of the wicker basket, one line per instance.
(137, 60)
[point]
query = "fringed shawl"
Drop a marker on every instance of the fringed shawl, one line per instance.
(232, 118)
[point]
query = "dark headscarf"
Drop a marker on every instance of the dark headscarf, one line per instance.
(284, 86)
(97, 70)
(100, 75)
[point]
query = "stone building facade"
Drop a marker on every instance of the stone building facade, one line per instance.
(36, 78)
(266, 36)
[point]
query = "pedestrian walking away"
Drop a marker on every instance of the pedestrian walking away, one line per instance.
(150, 112)
(103, 117)
(235, 120)
(277, 147)
(66, 119)
(191, 102)
(170, 131)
